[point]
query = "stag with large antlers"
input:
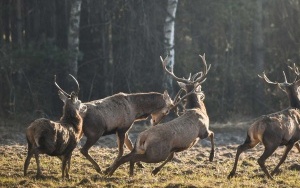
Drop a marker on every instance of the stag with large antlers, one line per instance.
(159, 143)
(274, 130)
(60, 138)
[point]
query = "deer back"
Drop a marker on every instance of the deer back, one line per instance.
(284, 123)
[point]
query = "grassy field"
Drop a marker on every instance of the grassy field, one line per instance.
(190, 168)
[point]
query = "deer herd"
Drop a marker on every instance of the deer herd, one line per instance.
(117, 113)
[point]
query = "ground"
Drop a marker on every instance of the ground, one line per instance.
(190, 168)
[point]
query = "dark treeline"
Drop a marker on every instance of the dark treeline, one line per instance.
(120, 43)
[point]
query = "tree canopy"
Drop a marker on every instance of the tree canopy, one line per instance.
(120, 43)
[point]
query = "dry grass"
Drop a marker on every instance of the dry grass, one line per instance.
(190, 168)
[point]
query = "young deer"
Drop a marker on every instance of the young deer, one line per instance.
(117, 113)
(159, 143)
(277, 129)
(60, 138)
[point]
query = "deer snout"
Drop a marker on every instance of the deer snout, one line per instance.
(156, 119)
(153, 122)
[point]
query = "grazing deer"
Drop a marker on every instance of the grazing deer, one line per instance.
(60, 138)
(159, 143)
(277, 129)
(117, 113)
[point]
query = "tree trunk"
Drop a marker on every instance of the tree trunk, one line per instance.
(169, 32)
(73, 36)
(258, 45)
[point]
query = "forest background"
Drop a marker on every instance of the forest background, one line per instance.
(114, 46)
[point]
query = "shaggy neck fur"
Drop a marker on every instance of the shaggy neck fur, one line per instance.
(194, 101)
(71, 116)
(147, 102)
(293, 97)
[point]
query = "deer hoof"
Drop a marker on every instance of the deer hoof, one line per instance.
(106, 172)
(270, 177)
(40, 176)
(230, 175)
(155, 171)
(99, 170)
(140, 165)
(275, 172)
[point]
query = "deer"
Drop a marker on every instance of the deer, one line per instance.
(160, 143)
(57, 138)
(117, 113)
(277, 129)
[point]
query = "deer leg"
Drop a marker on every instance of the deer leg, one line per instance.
(65, 166)
(85, 151)
(157, 169)
(241, 148)
(287, 150)
(121, 138)
(129, 145)
(128, 142)
(131, 168)
(30, 153)
(297, 145)
(132, 157)
(212, 151)
(37, 159)
(261, 161)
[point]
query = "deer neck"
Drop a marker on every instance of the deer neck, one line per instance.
(294, 100)
(195, 101)
(146, 103)
(71, 116)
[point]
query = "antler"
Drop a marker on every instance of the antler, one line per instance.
(178, 99)
(65, 93)
(164, 63)
(198, 77)
(202, 76)
(59, 88)
(296, 71)
(78, 88)
(285, 83)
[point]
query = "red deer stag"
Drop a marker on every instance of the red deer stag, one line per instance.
(117, 113)
(274, 130)
(60, 138)
(159, 143)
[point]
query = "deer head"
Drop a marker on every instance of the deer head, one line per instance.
(292, 89)
(156, 117)
(71, 101)
(191, 85)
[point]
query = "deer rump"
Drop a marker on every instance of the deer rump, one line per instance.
(158, 142)
(52, 138)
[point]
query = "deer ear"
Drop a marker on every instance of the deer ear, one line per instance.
(182, 85)
(74, 97)
(167, 98)
(62, 96)
(166, 95)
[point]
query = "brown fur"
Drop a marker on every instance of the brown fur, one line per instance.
(117, 113)
(56, 138)
(159, 143)
(273, 130)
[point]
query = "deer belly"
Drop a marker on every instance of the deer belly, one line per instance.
(185, 147)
